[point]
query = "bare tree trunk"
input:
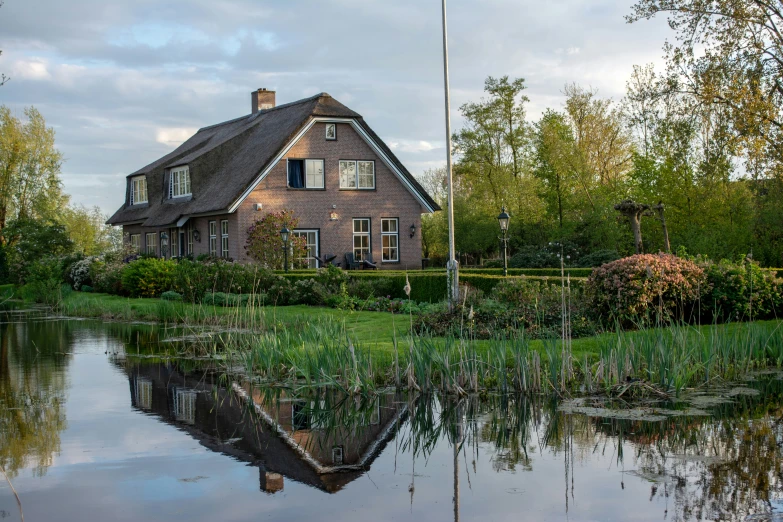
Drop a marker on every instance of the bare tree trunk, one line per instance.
(660, 208)
(634, 212)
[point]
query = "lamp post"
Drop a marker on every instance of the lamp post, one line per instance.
(284, 236)
(503, 220)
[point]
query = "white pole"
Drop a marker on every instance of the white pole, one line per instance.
(452, 266)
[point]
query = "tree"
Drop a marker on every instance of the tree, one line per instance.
(634, 212)
(729, 54)
(265, 245)
(88, 231)
(30, 240)
(30, 186)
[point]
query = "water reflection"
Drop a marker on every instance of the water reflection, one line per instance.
(33, 364)
(724, 467)
(319, 453)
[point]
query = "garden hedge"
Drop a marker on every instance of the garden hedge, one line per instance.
(429, 286)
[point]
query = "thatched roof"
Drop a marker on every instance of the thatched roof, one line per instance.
(226, 158)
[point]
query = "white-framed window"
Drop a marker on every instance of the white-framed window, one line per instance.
(306, 173)
(143, 393)
(224, 238)
(390, 239)
(337, 455)
(135, 242)
(331, 131)
(212, 238)
(357, 174)
(179, 182)
(185, 405)
(361, 238)
(189, 234)
(311, 240)
(138, 192)
(151, 240)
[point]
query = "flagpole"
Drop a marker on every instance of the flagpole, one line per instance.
(452, 266)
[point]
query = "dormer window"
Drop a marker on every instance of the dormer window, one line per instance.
(179, 182)
(138, 190)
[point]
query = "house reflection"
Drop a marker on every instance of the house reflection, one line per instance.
(324, 440)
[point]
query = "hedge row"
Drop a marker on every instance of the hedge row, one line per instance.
(430, 286)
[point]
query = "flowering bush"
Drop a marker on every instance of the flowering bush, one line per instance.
(646, 286)
(80, 272)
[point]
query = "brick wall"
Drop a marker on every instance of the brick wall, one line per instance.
(389, 199)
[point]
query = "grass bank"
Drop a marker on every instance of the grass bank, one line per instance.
(373, 331)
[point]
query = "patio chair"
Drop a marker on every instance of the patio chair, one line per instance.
(368, 264)
(350, 262)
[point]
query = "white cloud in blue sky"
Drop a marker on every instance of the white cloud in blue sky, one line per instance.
(123, 81)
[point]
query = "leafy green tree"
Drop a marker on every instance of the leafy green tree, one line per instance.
(88, 231)
(30, 186)
(729, 54)
(29, 240)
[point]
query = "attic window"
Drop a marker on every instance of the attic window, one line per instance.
(138, 191)
(331, 131)
(179, 182)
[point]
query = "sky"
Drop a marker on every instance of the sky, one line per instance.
(124, 82)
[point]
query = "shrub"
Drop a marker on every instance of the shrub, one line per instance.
(106, 271)
(598, 258)
(331, 277)
(646, 286)
(741, 291)
(194, 279)
(87, 288)
(310, 292)
(45, 282)
(148, 277)
(79, 273)
(264, 244)
(530, 256)
(171, 295)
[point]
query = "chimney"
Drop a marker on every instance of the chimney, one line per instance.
(262, 99)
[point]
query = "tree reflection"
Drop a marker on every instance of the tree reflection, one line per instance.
(33, 357)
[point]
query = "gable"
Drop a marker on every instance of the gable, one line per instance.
(367, 138)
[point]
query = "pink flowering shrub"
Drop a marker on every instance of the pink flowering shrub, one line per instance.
(646, 287)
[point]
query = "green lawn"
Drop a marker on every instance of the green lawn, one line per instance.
(368, 329)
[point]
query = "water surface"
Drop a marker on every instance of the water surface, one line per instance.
(91, 431)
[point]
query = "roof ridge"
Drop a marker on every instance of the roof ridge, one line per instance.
(290, 104)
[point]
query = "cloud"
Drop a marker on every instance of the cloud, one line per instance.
(30, 70)
(174, 136)
(123, 82)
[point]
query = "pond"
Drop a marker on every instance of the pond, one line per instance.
(92, 428)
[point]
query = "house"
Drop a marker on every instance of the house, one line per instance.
(325, 444)
(315, 157)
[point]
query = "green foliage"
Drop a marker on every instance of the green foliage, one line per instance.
(193, 279)
(45, 282)
(29, 240)
(148, 277)
(171, 295)
(646, 287)
(87, 288)
(265, 246)
(741, 291)
(598, 258)
(534, 257)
